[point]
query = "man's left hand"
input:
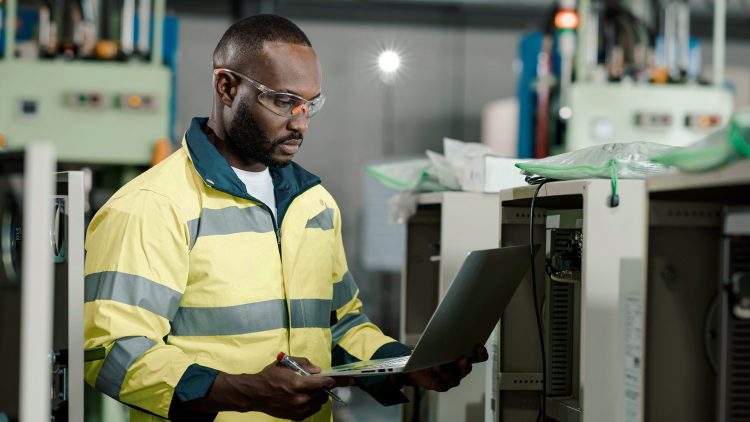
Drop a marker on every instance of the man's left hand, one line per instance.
(446, 376)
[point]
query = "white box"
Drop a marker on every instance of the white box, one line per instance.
(491, 174)
(500, 126)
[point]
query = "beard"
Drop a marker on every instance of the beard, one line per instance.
(251, 143)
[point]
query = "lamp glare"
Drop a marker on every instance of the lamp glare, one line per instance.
(389, 61)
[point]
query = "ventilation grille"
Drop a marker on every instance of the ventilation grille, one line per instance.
(738, 361)
(738, 382)
(561, 300)
(560, 355)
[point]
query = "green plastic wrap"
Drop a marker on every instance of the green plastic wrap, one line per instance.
(720, 148)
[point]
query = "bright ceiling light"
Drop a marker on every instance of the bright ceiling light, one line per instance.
(389, 61)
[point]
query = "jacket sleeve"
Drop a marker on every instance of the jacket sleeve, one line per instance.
(354, 337)
(136, 272)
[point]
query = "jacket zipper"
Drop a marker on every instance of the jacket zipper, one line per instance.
(277, 232)
(276, 229)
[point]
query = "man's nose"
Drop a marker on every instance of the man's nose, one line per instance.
(299, 121)
(302, 108)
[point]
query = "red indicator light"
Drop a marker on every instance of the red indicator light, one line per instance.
(566, 19)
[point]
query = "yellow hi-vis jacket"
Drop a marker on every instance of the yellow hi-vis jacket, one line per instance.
(187, 275)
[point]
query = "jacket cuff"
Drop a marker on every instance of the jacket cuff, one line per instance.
(194, 384)
(378, 386)
(393, 349)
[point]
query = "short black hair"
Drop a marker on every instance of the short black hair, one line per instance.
(246, 37)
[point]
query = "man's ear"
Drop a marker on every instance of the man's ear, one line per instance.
(225, 85)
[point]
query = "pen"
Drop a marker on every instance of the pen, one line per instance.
(285, 360)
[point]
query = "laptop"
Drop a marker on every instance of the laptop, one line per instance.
(465, 318)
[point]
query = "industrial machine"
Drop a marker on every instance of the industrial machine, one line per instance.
(444, 229)
(733, 357)
(558, 354)
(67, 330)
(100, 99)
(562, 314)
(687, 327)
(41, 288)
(654, 89)
(603, 72)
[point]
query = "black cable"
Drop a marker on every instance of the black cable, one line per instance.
(536, 301)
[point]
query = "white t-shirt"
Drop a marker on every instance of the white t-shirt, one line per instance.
(259, 185)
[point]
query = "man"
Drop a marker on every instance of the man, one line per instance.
(201, 270)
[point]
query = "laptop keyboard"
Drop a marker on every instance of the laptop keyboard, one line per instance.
(389, 362)
(375, 364)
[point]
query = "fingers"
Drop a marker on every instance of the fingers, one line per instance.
(305, 363)
(442, 377)
(296, 382)
(427, 378)
(304, 406)
(317, 383)
(452, 373)
(480, 355)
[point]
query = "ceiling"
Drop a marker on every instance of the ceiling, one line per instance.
(495, 14)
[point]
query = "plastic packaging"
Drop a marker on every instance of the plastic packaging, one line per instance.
(406, 175)
(623, 160)
(716, 150)
(438, 172)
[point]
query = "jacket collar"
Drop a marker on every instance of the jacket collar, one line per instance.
(288, 182)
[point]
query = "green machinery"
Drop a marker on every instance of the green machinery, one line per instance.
(94, 111)
(678, 113)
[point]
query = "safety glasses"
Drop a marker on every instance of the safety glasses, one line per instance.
(281, 103)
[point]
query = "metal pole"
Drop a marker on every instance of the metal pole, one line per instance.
(389, 132)
(75, 211)
(584, 9)
(36, 284)
(156, 48)
(719, 41)
(10, 30)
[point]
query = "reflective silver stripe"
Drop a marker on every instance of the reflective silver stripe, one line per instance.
(228, 221)
(310, 313)
(132, 290)
(222, 321)
(344, 291)
(251, 317)
(346, 323)
(193, 226)
(125, 351)
(324, 220)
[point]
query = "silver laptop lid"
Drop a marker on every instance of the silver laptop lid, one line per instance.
(484, 285)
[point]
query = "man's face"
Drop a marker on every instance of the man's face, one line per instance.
(251, 143)
(256, 134)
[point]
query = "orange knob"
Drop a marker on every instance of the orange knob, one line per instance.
(162, 149)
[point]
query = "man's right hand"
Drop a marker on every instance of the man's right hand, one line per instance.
(276, 390)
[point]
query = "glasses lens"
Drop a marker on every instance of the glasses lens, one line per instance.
(284, 104)
(316, 105)
(280, 103)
